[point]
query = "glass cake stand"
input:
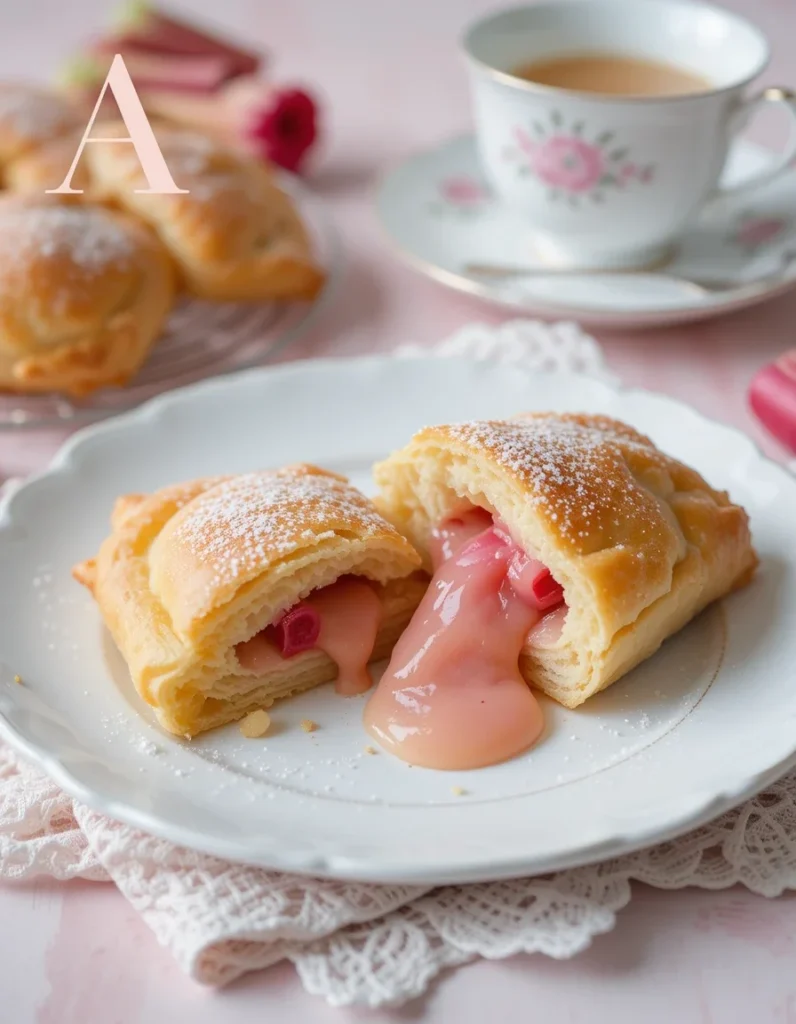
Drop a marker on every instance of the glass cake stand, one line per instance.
(201, 339)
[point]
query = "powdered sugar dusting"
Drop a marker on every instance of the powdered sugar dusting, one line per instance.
(195, 161)
(89, 237)
(256, 517)
(189, 154)
(575, 471)
(214, 175)
(32, 116)
(186, 153)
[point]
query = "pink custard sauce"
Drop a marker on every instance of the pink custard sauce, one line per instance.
(342, 620)
(452, 696)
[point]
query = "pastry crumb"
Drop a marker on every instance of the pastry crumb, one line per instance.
(308, 725)
(18, 680)
(369, 750)
(458, 791)
(255, 724)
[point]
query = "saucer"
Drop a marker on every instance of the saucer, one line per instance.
(440, 215)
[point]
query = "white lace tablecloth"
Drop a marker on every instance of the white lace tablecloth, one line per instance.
(375, 945)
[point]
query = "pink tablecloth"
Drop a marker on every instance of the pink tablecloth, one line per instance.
(393, 83)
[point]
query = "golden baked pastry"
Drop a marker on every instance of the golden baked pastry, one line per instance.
(46, 166)
(84, 293)
(620, 542)
(30, 118)
(227, 593)
(235, 236)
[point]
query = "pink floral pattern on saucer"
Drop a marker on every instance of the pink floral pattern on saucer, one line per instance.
(756, 231)
(461, 195)
(570, 165)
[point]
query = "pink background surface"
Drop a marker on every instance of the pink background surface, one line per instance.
(393, 82)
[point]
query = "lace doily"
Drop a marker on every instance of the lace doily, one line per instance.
(530, 343)
(376, 945)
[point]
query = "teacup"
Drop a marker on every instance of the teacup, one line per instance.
(612, 181)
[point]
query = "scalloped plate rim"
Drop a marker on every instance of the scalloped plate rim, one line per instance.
(741, 783)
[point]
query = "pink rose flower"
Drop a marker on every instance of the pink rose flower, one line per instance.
(758, 230)
(462, 191)
(284, 128)
(568, 163)
(525, 142)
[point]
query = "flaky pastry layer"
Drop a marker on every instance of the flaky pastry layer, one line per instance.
(193, 570)
(639, 541)
(84, 294)
(46, 167)
(30, 118)
(235, 235)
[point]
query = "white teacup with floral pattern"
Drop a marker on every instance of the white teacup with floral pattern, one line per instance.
(612, 181)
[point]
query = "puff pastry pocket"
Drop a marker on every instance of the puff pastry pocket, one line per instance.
(608, 544)
(235, 235)
(84, 294)
(30, 118)
(46, 166)
(228, 593)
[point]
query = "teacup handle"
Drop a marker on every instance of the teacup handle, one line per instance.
(774, 95)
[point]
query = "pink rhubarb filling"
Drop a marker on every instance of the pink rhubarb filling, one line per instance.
(342, 620)
(453, 696)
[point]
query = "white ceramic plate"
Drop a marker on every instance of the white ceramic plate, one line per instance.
(703, 724)
(440, 215)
